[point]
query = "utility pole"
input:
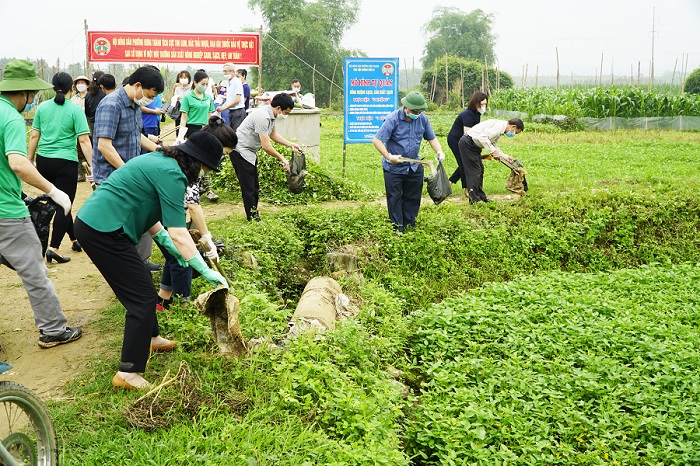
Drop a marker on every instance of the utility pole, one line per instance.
(653, 34)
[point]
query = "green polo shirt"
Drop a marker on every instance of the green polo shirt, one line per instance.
(197, 109)
(13, 140)
(147, 189)
(60, 126)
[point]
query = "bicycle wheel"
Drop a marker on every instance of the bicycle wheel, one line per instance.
(26, 428)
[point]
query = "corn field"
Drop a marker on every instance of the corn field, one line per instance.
(600, 102)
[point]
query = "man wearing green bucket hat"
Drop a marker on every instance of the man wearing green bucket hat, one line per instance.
(19, 244)
(400, 136)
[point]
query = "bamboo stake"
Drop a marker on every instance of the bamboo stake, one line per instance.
(537, 75)
(526, 69)
(447, 82)
(557, 51)
(330, 91)
(639, 72)
(612, 72)
(461, 73)
(405, 68)
(673, 76)
(600, 81)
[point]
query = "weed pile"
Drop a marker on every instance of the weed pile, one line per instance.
(174, 399)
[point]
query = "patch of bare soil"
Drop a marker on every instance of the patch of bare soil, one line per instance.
(82, 292)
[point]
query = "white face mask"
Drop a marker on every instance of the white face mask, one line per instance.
(201, 172)
(184, 81)
(81, 87)
(282, 115)
(296, 89)
(481, 110)
(143, 101)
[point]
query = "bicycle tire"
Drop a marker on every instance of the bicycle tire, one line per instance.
(39, 431)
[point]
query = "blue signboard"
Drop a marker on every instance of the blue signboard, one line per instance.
(371, 93)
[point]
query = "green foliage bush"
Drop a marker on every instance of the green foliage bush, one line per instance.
(692, 82)
(561, 369)
(321, 185)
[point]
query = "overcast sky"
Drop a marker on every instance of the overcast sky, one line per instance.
(527, 30)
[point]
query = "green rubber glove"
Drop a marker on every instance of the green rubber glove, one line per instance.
(212, 276)
(164, 239)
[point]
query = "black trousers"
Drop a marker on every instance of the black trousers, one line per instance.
(247, 175)
(236, 117)
(116, 258)
(403, 194)
(458, 174)
(64, 175)
(191, 129)
(473, 169)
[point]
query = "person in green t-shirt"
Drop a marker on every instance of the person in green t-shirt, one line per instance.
(57, 125)
(145, 195)
(20, 247)
(196, 107)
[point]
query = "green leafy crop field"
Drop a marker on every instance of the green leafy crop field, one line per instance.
(563, 328)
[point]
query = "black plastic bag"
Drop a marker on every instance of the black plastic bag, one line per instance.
(174, 111)
(41, 211)
(297, 172)
(439, 187)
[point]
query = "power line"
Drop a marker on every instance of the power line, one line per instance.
(304, 62)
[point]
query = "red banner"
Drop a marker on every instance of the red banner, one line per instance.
(148, 47)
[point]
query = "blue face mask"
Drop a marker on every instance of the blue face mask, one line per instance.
(30, 105)
(510, 134)
(412, 116)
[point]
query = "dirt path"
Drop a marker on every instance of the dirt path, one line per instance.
(82, 291)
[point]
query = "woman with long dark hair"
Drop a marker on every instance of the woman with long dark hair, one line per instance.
(58, 125)
(176, 279)
(143, 195)
(469, 117)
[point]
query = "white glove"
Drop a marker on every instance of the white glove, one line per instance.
(393, 158)
(60, 198)
(178, 141)
(211, 254)
(181, 133)
(440, 156)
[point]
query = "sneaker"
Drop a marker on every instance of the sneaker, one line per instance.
(70, 334)
(153, 268)
(211, 196)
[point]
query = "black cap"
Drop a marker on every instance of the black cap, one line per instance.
(205, 148)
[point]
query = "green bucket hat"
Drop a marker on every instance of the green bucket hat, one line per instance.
(414, 101)
(20, 75)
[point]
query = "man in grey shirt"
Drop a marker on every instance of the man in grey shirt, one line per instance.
(257, 132)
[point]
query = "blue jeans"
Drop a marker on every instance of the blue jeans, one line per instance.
(176, 278)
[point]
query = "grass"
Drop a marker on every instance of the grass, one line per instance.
(561, 329)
